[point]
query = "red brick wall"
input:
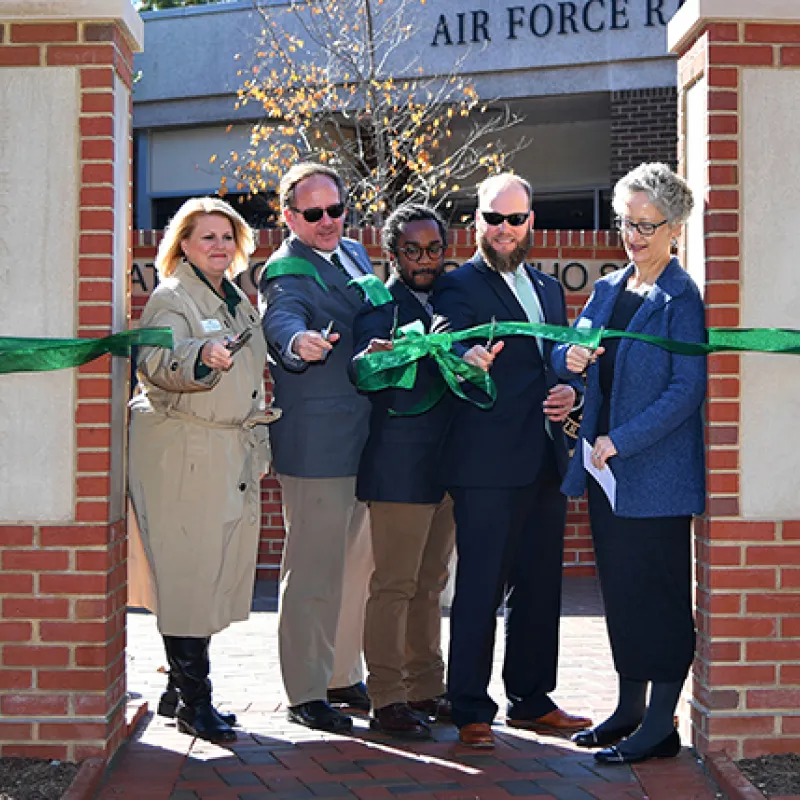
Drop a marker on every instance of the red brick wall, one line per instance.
(644, 127)
(62, 586)
(560, 252)
(747, 678)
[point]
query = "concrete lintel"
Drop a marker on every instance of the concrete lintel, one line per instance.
(696, 13)
(121, 11)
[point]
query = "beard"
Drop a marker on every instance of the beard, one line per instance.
(504, 262)
(420, 280)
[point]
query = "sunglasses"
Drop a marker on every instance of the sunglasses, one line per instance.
(313, 215)
(515, 220)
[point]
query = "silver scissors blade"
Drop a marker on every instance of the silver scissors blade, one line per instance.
(395, 322)
(490, 340)
(326, 333)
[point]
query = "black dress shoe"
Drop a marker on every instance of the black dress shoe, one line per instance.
(317, 714)
(437, 709)
(354, 696)
(666, 748)
(398, 720)
(602, 737)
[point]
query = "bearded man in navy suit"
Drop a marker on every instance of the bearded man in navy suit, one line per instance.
(503, 467)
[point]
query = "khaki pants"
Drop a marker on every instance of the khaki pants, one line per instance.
(412, 545)
(325, 572)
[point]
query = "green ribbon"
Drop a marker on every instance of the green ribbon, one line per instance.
(42, 355)
(397, 368)
(374, 289)
(294, 266)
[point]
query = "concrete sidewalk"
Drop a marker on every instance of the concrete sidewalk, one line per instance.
(276, 759)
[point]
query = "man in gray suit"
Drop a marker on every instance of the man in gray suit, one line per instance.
(308, 310)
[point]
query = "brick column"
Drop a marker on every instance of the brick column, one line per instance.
(65, 144)
(739, 104)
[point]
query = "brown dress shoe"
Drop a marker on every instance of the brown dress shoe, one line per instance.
(397, 719)
(476, 734)
(438, 709)
(555, 721)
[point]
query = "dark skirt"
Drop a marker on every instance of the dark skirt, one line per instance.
(644, 567)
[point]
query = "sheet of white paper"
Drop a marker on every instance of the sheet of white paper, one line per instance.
(605, 477)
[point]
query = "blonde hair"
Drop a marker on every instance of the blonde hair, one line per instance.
(182, 225)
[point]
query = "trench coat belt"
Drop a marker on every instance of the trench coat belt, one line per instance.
(269, 415)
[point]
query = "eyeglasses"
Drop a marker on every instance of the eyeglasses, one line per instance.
(315, 214)
(413, 252)
(643, 228)
(515, 220)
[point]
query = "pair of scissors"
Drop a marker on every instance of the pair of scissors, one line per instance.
(234, 345)
(327, 331)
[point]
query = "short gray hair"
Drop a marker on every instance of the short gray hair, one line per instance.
(668, 192)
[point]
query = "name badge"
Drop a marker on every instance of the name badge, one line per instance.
(211, 325)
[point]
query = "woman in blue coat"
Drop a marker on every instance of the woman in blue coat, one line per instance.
(643, 418)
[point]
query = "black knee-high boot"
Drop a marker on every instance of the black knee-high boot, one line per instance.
(170, 700)
(168, 703)
(188, 662)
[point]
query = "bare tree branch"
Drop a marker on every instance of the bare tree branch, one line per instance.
(322, 73)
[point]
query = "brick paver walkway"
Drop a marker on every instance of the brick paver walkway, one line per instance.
(275, 759)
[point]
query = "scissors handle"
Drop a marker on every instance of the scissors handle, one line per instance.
(238, 342)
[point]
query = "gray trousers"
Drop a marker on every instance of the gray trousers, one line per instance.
(327, 563)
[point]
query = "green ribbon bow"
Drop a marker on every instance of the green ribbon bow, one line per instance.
(397, 368)
(42, 355)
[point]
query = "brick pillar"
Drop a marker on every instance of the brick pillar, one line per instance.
(65, 144)
(739, 102)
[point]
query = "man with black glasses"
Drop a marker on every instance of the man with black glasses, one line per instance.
(411, 517)
(308, 306)
(503, 469)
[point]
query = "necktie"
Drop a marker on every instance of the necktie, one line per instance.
(530, 304)
(527, 298)
(337, 262)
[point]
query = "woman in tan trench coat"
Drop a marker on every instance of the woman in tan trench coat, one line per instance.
(198, 448)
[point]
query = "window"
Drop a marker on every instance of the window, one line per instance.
(584, 210)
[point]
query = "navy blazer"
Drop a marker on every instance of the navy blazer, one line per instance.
(400, 462)
(656, 399)
(502, 446)
(324, 423)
